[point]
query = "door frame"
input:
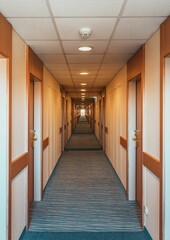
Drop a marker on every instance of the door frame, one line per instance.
(131, 151)
(165, 146)
(6, 135)
(38, 153)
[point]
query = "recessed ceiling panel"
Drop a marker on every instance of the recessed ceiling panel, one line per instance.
(34, 28)
(110, 67)
(45, 47)
(69, 27)
(137, 28)
(84, 58)
(57, 67)
(21, 8)
(72, 8)
(52, 59)
(117, 59)
(124, 46)
(147, 8)
(84, 67)
(72, 46)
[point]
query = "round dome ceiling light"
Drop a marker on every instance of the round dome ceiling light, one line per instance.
(83, 84)
(85, 48)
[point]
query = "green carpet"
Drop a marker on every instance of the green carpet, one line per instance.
(87, 236)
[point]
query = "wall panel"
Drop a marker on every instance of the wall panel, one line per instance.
(151, 133)
(116, 122)
(19, 97)
(52, 121)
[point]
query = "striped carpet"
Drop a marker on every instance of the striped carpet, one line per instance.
(84, 194)
(83, 142)
(82, 127)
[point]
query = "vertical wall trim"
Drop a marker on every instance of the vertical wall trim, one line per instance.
(6, 51)
(164, 52)
(135, 68)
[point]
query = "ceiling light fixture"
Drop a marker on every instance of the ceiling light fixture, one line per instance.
(84, 73)
(85, 32)
(83, 84)
(85, 48)
(83, 90)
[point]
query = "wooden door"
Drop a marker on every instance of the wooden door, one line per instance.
(138, 143)
(31, 142)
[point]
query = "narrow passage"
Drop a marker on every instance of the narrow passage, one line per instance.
(85, 196)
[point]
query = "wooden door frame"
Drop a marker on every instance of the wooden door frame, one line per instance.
(135, 79)
(31, 76)
(8, 159)
(34, 67)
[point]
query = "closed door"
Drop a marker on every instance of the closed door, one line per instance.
(138, 143)
(31, 142)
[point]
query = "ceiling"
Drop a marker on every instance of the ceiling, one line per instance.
(51, 28)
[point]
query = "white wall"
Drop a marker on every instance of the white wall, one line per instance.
(166, 150)
(4, 149)
(19, 206)
(52, 121)
(151, 201)
(19, 97)
(151, 131)
(152, 97)
(19, 133)
(116, 93)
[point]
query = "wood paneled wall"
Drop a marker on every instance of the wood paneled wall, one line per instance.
(165, 38)
(135, 64)
(35, 65)
(5, 37)
(164, 51)
(6, 51)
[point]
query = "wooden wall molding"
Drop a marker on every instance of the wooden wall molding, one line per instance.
(164, 52)
(134, 66)
(6, 51)
(45, 142)
(35, 65)
(123, 142)
(165, 38)
(6, 37)
(152, 164)
(19, 164)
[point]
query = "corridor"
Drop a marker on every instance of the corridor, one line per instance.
(84, 196)
(84, 119)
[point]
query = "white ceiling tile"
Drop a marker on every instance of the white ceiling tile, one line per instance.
(147, 8)
(52, 59)
(86, 8)
(124, 46)
(34, 28)
(117, 59)
(60, 72)
(72, 46)
(100, 84)
(45, 47)
(56, 67)
(69, 27)
(84, 58)
(63, 78)
(18, 8)
(137, 28)
(110, 67)
(83, 79)
(84, 67)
